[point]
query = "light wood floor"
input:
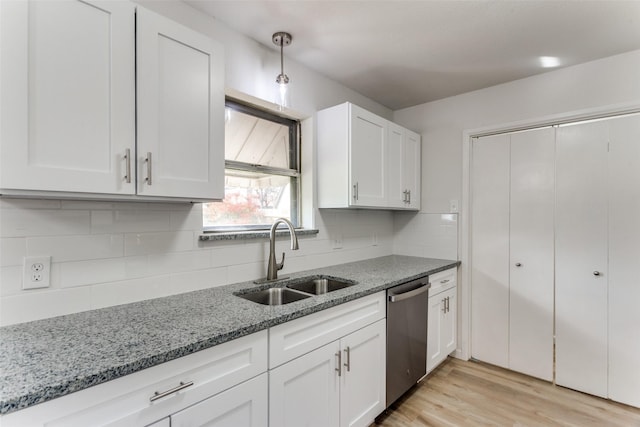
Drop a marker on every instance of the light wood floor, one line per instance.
(462, 393)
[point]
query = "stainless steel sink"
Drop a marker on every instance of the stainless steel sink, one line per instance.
(320, 285)
(274, 296)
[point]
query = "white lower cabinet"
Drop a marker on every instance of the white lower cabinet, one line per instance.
(441, 326)
(243, 405)
(339, 384)
(220, 373)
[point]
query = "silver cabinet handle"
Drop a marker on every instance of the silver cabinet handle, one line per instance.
(596, 273)
(355, 191)
(148, 161)
(444, 305)
(411, 293)
(448, 304)
(127, 159)
(409, 196)
(518, 264)
(348, 364)
(444, 281)
(339, 364)
(159, 395)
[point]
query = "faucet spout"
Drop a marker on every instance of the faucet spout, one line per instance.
(273, 266)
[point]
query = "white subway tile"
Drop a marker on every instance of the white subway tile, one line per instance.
(241, 253)
(86, 205)
(129, 221)
(187, 219)
(195, 280)
(10, 280)
(43, 222)
(77, 248)
(179, 262)
(161, 242)
(36, 305)
(29, 204)
(127, 291)
(12, 251)
(245, 272)
(82, 273)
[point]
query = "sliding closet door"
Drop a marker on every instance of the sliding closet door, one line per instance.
(624, 260)
(531, 253)
(581, 257)
(490, 250)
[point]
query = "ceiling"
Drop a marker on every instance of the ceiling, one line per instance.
(403, 53)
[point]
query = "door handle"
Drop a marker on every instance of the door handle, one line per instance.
(127, 158)
(412, 293)
(339, 364)
(159, 395)
(596, 273)
(148, 162)
(518, 264)
(348, 364)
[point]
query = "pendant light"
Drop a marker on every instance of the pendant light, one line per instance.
(282, 39)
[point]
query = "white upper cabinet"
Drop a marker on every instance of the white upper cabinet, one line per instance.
(365, 161)
(69, 108)
(180, 110)
(368, 146)
(68, 96)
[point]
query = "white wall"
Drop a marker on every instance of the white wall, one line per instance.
(106, 253)
(610, 81)
(604, 85)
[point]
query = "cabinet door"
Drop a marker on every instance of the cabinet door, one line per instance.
(305, 391)
(244, 405)
(368, 151)
(449, 323)
(581, 257)
(624, 253)
(68, 96)
(396, 184)
(411, 166)
(531, 253)
(180, 110)
(363, 387)
(490, 250)
(434, 331)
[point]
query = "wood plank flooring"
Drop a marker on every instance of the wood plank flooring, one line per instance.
(460, 393)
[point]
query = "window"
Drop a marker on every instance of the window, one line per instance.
(262, 171)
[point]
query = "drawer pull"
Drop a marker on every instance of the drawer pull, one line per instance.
(444, 281)
(159, 395)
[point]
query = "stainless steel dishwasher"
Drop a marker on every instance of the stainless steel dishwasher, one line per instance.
(407, 306)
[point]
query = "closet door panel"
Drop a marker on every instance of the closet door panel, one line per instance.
(581, 257)
(624, 254)
(490, 250)
(531, 253)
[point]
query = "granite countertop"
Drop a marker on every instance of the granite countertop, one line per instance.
(49, 358)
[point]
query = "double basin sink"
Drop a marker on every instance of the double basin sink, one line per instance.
(296, 290)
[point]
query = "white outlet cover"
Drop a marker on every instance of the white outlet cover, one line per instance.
(36, 272)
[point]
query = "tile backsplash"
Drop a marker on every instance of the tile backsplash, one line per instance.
(428, 235)
(109, 253)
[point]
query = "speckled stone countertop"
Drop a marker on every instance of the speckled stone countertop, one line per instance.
(49, 358)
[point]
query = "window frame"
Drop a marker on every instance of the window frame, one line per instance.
(294, 173)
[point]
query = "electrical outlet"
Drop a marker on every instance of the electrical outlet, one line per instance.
(36, 272)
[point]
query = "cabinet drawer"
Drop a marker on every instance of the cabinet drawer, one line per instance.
(442, 281)
(297, 337)
(126, 401)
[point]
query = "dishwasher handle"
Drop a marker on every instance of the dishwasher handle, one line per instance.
(410, 294)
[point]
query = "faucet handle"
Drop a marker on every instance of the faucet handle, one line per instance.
(280, 265)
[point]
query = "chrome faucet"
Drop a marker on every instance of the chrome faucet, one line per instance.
(273, 267)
